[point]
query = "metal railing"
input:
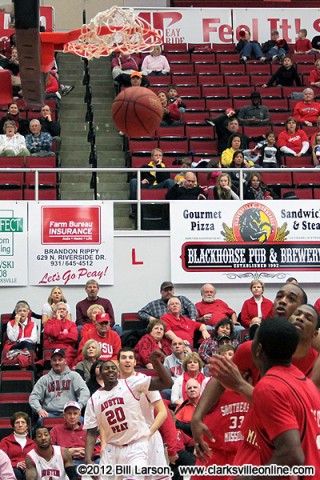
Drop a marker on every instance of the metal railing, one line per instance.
(138, 171)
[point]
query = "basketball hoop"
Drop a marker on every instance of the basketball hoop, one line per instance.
(114, 30)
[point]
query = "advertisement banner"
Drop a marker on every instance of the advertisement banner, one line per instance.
(13, 244)
(232, 241)
(70, 243)
(219, 25)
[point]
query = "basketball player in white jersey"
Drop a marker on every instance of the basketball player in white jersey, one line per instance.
(149, 402)
(116, 411)
(49, 462)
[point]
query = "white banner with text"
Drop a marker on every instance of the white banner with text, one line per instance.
(70, 243)
(233, 241)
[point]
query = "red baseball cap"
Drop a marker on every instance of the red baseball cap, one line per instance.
(102, 317)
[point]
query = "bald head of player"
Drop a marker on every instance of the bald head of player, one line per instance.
(288, 298)
(274, 343)
(109, 373)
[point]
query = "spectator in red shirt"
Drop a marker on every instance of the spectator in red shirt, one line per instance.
(153, 340)
(257, 307)
(110, 342)
(71, 434)
(307, 110)
(314, 77)
(59, 332)
(303, 45)
(18, 444)
(179, 326)
(293, 141)
(211, 310)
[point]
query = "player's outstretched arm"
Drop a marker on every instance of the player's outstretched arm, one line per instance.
(229, 376)
(31, 471)
(208, 400)
(164, 379)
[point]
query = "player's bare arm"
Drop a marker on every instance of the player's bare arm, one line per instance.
(31, 471)
(160, 417)
(90, 443)
(68, 464)
(229, 376)
(208, 401)
(164, 379)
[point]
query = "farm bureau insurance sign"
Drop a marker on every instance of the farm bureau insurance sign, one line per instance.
(225, 241)
(70, 243)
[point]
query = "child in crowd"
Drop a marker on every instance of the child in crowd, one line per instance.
(316, 150)
(175, 98)
(269, 153)
(303, 45)
(224, 189)
(285, 76)
(185, 163)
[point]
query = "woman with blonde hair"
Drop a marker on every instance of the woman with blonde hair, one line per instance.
(12, 144)
(155, 63)
(256, 308)
(49, 309)
(91, 352)
(224, 189)
(192, 366)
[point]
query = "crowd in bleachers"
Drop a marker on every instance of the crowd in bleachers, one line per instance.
(50, 363)
(211, 88)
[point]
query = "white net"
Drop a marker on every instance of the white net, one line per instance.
(115, 30)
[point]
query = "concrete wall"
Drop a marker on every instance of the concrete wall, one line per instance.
(68, 14)
(136, 284)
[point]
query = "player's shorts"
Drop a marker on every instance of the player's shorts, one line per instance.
(134, 454)
(156, 455)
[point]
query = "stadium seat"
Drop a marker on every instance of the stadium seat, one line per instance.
(153, 194)
(258, 68)
(276, 103)
(306, 179)
(270, 92)
(175, 47)
(195, 117)
(205, 68)
(184, 68)
(205, 146)
(46, 193)
(211, 80)
(14, 193)
(170, 131)
(237, 79)
(174, 57)
(195, 104)
(12, 402)
(180, 79)
(45, 179)
(282, 179)
(278, 118)
(144, 145)
(186, 91)
(218, 104)
(52, 422)
(200, 47)
(8, 179)
(294, 162)
(301, 193)
(5, 427)
(256, 79)
(255, 131)
(174, 145)
(16, 381)
(203, 57)
(240, 91)
(226, 57)
(199, 131)
(131, 321)
(214, 91)
(233, 68)
(224, 48)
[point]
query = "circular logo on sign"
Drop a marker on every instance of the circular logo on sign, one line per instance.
(254, 222)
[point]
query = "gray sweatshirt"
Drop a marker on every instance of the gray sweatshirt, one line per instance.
(53, 390)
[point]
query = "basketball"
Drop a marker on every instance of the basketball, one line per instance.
(137, 112)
